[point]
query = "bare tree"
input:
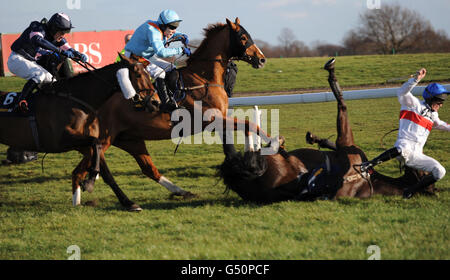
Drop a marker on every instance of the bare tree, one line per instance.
(286, 39)
(392, 27)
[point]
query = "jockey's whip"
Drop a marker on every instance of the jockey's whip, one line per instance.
(399, 78)
(386, 134)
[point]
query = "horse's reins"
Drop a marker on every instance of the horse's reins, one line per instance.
(354, 177)
(386, 134)
(242, 56)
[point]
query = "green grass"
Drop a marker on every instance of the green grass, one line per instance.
(37, 220)
(282, 74)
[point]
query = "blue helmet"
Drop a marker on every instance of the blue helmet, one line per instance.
(169, 17)
(435, 91)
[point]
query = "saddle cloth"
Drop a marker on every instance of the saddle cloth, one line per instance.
(8, 101)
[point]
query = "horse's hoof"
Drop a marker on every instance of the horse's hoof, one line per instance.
(281, 141)
(134, 208)
(88, 185)
(189, 195)
(185, 195)
(330, 64)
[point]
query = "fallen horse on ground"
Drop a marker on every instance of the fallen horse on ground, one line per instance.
(309, 174)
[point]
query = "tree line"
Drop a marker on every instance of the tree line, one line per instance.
(388, 30)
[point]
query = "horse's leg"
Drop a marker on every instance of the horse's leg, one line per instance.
(322, 142)
(109, 179)
(90, 147)
(250, 127)
(137, 149)
(345, 134)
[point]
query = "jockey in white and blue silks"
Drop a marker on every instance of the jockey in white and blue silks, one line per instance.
(148, 45)
(417, 118)
(40, 39)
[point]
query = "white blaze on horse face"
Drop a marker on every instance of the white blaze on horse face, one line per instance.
(259, 50)
(123, 77)
(76, 197)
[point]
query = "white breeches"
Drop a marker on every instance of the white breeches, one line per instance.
(415, 158)
(158, 67)
(27, 69)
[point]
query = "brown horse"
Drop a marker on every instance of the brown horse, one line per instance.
(203, 80)
(306, 174)
(64, 116)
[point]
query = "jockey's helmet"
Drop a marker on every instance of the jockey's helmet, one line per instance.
(59, 22)
(434, 92)
(168, 18)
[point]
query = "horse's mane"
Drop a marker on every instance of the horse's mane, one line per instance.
(208, 32)
(240, 172)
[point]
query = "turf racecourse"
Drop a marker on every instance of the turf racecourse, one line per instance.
(37, 220)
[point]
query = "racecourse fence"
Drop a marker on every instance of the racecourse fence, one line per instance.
(320, 96)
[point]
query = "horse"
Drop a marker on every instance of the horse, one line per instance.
(64, 116)
(202, 80)
(309, 174)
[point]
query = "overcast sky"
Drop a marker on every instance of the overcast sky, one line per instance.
(311, 20)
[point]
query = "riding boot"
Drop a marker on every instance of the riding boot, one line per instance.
(28, 88)
(171, 79)
(423, 183)
(385, 156)
(167, 102)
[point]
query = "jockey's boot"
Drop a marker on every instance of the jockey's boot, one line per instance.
(168, 104)
(28, 88)
(385, 156)
(423, 183)
(171, 79)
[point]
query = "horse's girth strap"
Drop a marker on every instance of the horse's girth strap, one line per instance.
(202, 86)
(34, 131)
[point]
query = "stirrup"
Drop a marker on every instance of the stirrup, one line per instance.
(366, 166)
(23, 106)
(168, 107)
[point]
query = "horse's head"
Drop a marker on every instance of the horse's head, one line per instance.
(243, 47)
(142, 84)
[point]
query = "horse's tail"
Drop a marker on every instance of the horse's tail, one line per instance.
(240, 172)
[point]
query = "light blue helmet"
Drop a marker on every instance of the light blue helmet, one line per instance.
(168, 17)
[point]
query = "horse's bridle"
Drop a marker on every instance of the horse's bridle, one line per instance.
(235, 38)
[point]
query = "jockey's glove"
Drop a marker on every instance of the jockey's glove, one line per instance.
(68, 54)
(185, 39)
(80, 56)
(187, 51)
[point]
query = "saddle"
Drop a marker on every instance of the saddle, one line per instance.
(321, 183)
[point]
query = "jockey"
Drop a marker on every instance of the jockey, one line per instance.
(148, 45)
(417, 118)
(40, 38)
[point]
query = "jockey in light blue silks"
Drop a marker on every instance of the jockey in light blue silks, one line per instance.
(148, 45)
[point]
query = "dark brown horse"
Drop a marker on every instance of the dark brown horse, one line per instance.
(203, 80)
(306, 174)
(65, 116)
